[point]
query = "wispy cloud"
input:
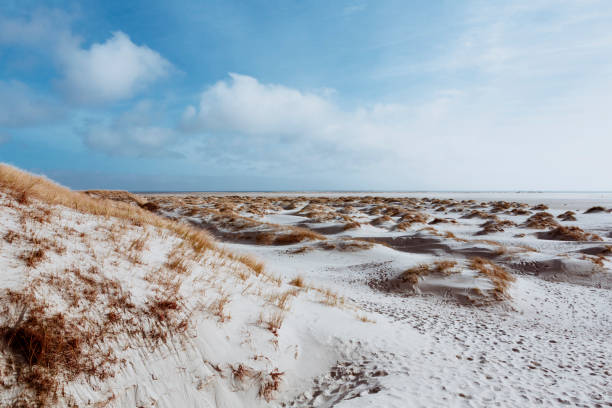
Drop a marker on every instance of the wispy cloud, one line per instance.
(21, 106)
(133, 133)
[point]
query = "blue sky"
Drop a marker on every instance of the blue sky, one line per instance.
(309, 95)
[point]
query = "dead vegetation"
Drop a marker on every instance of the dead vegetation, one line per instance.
(270, 384)
(572, 233)
(567, 216)
(541, 220)
(492, 226)
(594, 210)
(499, 276)
(443, 267)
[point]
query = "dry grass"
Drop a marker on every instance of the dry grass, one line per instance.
(298, 281)
(282, 300)
(287, 236)
(499, 276)
(541, 220)
(572, 233)
(492, 226)
(365, 319)
(567, 216)
(270, 385)
(272, 321)
(33, 257)
(217, 308)
(450, 235)
(596, 209)
(412, 275)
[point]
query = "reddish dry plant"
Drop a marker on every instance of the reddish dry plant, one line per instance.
(178, 265)
(298, 281)
(272, 322)
(33, 257)
(217, 308)
(11, 236)
(271, 384)
(242, 372)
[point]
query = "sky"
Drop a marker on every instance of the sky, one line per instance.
(268, 95)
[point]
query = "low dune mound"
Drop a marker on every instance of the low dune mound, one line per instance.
(541, 220)
(519, 211)
(477, 281)
(567, 216)
(479, 214)
(572, 233)
(350, 225)
(539, 207)
(499, 206)
(594, 210)
(289, 236)
(442, 221)
(495, 226)
(410, 218)
(412, 275)
(383, 219)
(345, 245)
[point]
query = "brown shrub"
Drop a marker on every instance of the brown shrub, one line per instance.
(596, 209)
(572, 233)
(412, 217)
(33, 257)
(479, 214)
(351, 225)
(270, 385)
(381, 220)
(494, 226)
(541, 220)
(567, 216)
(298, 281)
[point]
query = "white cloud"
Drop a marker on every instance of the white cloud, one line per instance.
(132, 134)
(21, 106)
(245, 105)
(113, 70)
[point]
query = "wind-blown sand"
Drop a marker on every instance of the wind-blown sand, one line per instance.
(370, 300)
